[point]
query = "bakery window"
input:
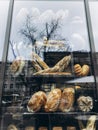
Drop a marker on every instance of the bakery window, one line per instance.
(49, 73)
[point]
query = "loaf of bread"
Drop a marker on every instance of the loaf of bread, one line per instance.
(67, 100)
(53, 100)
(37, 101)
(43, 128)
(17, 66)
(30, 128)
(85, 70)
(78, 69)
(57, 128)
(85, 103)
(71, 128)
(12, 127)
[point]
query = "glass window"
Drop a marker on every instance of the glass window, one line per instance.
(94, 19)
(35, 22)
(4, 4)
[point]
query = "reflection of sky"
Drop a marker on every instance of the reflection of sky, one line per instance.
(74, 21)
(3, 18)
(94, 19)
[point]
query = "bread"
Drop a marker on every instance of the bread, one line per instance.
(59, 67)
(85, 103)
(30, 128)
(77, 87)
(53, 100)
(42, 128)
(85, 70)
(67, 99)
(77, 69)
(37, 101)
(57, 128)
(71, 128)
(17, 66)
(40, 61)
(36, 66)
(12, 127)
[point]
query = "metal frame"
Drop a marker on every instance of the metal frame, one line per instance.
(92, 46)
(7, 37)
(6, 47)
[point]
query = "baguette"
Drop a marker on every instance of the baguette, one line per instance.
(40, 61)
(59, 67)
(36, 66)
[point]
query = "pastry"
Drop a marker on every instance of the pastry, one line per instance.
(77, 69)
(85, 70)
(12, 127)
(57, 128)
(17, 66)
(67, 99)
(85, 103)
(37, 101)
(30, 128)
(53, 100)
(42, 128)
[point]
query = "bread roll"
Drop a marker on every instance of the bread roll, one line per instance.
(85, 70)
(37, 101)
(53, 100)
(85, 103)
(67, 99)
(77, 69)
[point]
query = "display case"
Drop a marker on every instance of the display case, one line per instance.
(49, 69)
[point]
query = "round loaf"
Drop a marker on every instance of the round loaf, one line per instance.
(12, 127)
(67, 100)
(85, 70)
(85, 103)
(77, 69)
(37, 101)
(53, 100)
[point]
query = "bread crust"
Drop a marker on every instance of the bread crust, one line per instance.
(53, 100)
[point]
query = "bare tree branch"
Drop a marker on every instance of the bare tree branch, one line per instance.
(13, 51)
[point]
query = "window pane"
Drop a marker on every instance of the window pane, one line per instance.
(40, 20)
(4, 4)
(94, 20)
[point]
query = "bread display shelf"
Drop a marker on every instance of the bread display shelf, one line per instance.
(58, 78)
(53, 113)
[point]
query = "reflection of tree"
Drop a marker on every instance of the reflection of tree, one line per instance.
(29, 30)
(12, 48)
(51, 29)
